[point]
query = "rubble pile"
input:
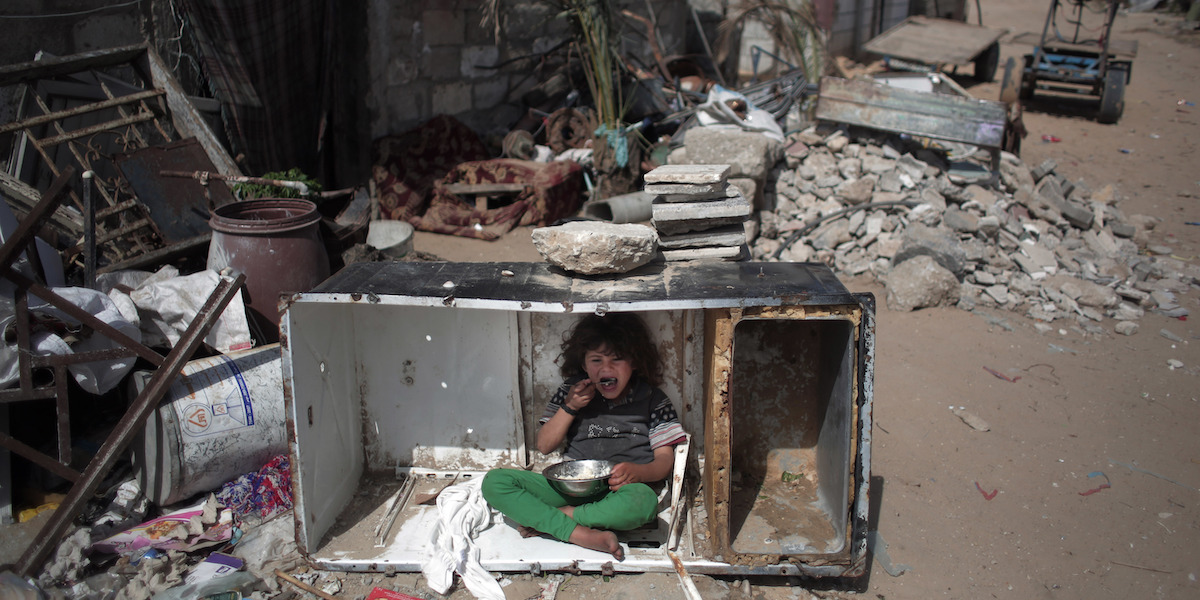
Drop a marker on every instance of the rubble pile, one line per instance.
(1034, 243)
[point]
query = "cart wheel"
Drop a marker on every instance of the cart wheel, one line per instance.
(1010, 85)
(1028, 79)
(1112, 98)
(986, 63)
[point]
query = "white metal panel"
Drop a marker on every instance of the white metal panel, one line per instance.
(439, 386)
(323, 405)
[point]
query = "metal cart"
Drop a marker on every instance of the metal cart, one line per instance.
(1079, 58)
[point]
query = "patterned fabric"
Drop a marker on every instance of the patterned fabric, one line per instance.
(265, 493)
(412, 169)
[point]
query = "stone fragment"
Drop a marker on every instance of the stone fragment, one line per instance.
(680, 217)
(728, 235)
(1048, 166)
(1126, 327)
(877, 164)
(912, 167)
(837, 141)
(960, 220)
(985, 197)
(971, 419)
(850, 168)
(830, 235)
(693, 174)
(856, 191)
(920, 283)
(1083, 292)
(715, 252)
(941, 244)
(663, 189)
(596, 247)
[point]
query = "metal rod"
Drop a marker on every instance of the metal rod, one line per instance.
(29, 227)
(83, 316)
(79, 110)
(134, 419)
(89, 233)
(38, 458)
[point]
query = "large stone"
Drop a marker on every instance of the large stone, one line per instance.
(941, 244)
(919, 283)
(595, 247)
(749, 154)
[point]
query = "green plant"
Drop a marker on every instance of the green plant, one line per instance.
(264, 189)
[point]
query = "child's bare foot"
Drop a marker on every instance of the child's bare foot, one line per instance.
(527, 532)
(597, 539)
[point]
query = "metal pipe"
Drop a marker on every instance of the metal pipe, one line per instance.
(89, 233)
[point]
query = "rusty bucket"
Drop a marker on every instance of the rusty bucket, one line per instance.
(276, 242)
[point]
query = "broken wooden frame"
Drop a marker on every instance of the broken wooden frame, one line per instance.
(124, 118)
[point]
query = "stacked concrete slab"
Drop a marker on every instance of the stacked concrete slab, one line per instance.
(698, 214)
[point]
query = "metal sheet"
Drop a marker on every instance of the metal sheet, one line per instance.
(178, 206)
(940, 116)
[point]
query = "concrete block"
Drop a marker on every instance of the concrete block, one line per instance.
(695, 174)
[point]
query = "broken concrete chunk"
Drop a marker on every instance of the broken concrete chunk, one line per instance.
(594, 247)
(1126, 327)
(693, 174)
(1048, 166)
(1085, 293)
(920, 283)
(684, 188)
(971, 419)
(714, 253)
(728, 235)
(856, 191)
(941, 244)
(748, 153)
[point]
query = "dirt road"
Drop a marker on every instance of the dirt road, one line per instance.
(1084, 412)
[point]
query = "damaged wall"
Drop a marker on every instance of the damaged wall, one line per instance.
(429, 58)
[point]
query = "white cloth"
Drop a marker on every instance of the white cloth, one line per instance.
(462, 514)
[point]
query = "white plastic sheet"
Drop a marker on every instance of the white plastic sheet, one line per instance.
(716, 112)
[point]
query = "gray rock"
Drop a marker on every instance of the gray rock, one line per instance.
(728, 235)
(830, 235)
(889, 181)
(694, 173)
(856, 191)
(748, 154)
(941, 244)
(850, 168)
(1126, 327)
(595, 247)
(1122, 230)
(1048, 166)
(909, 165)
(684, 188)
(985, 197)
(1085, 293)
(960, 220)
(920, 283)
(712, 253)
(877, 164)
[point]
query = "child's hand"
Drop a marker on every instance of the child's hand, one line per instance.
(581, 395)
(622, 474)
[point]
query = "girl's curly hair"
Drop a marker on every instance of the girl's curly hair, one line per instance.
(622, 333)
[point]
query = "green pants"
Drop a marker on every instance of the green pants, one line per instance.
(528, 499)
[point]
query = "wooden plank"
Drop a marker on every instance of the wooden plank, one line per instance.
(78, 133)
(939, 116)
(187, 120)
(934, 41)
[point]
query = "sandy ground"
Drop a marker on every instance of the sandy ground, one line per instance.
(1079, 405)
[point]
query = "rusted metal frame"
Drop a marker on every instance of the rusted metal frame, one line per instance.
(41, 146)
(84, 317)
(27, 393)
(124, 113)
(109, 211)
(41, 460)
(145, 107)
(134, 419)
(62, 407)
(113, 102)
(28, 228)
(67, 136)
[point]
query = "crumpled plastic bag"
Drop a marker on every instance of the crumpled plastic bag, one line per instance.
(167, 304)
(715, 111)
(53, 328)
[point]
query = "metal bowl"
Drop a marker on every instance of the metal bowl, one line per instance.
(579, 478)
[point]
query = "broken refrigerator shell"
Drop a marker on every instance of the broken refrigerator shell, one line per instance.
(404, 378)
